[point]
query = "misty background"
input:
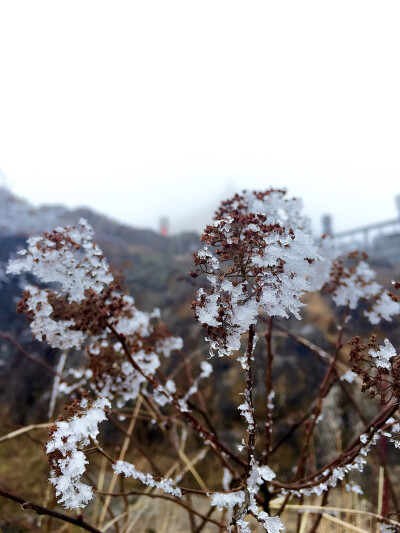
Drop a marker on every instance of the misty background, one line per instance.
(143, 110)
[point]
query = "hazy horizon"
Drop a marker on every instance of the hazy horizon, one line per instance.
(199, 215)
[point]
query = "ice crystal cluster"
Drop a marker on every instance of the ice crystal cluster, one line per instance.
(129, 470)
(384, 354)
(70, 259)
(67, 460)
(257, 256)
(67, 256)
(57, 333)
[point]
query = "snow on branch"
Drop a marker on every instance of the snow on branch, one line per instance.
(129, 470)
(67, 460)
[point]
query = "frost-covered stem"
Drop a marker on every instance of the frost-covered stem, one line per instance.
(349, 453)
(249, 398)
(269, 392)
(377, 453)
(102, 452)
(197, 426)
(40, 510)
(323, 391)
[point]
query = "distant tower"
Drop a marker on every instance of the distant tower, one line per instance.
(397, 202)
(326, 224)
(164, 226)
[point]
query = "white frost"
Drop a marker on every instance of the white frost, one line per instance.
(129, 470)
(384, 354)
(67, 439)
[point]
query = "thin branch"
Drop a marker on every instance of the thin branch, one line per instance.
(38, 509)
(25, 353)
(269, 392)
(25, 429)
(194, 422)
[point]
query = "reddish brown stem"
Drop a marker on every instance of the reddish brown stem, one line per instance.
(40, 510)
(269, 392)
(21, 349)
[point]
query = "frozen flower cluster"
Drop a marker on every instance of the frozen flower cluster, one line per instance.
(85, 304)
(67, 256)
(257, 256)
(258, 259)
(383, 308)
(67, 460)
(357, 282)
(114, 377)
(67, 259)
(57, 333)
(378, 366)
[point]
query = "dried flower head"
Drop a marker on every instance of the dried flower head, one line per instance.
(67, 256)
(256, 256)
(64, 449)
(377, 366)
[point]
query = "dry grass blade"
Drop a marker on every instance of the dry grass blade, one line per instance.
(25, 429)
(304, 520)
(349, 527)
(120, 458)
(190, 466)
(127, 513)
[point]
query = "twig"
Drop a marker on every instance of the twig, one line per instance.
(21, 349)
(269, 392)
(23, 430)
(38, 509)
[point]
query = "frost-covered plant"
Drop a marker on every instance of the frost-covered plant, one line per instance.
(64, 449)
(258, 263)
(378, 366)
(257, 257)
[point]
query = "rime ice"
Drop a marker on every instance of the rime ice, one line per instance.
(384, 354)
(257, 257)
(66, 256)
(129, 470)
(67, 459)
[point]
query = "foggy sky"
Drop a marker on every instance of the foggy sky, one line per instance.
(143, 109)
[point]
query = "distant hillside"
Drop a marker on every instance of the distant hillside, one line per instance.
(19, 217)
